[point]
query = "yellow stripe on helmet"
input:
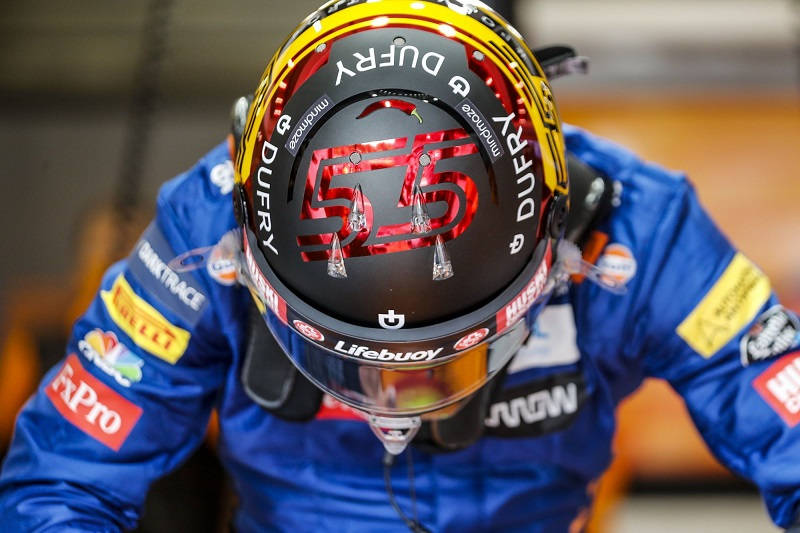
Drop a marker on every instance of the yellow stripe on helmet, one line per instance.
(534, 90)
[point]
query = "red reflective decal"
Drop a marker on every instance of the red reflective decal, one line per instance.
(406, 107)
(323, 201)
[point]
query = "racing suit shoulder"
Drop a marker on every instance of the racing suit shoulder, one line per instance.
(699, 314)
(143, 368)
(643, 198)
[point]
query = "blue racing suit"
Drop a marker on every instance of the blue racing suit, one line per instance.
(157, 350)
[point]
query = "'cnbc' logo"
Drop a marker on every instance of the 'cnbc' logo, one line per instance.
(111, 356)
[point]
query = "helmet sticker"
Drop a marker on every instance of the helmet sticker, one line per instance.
(391, 320)
(312, 115)
(471, 339)
(308, 330)
(486, 134)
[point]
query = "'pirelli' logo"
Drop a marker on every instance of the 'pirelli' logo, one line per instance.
(729, 306)
(143, 323)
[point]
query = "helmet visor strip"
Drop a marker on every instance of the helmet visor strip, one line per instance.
(397, 377)
(399, 389)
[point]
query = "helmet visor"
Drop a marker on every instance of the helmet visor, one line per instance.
(389, 389)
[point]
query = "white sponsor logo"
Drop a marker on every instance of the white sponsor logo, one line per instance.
(391, 320)
(222, 176)
(385, 355)
(268, 154)
(785, 386)
(522, 167)
(284, 123)
(535, 407)
(169, 279)
(405, 56)
(520, 305)
(263, 287)
(484, 130)
(312, 114)
(516, 244)
(552, 342)
(775, 332)
(82, 396)
(459, 85)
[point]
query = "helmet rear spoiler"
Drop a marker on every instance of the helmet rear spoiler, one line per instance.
(560, 60)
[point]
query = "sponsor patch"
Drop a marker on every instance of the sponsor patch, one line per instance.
(222, 265)
(775, 332)
(536, 408)
(617, 263)
(143, 323)
(523, 301)
(552, 342)
(222, 176)
(263, 289)
(482, 127)
(779, 385)
(105, 351)
(91, 406)
(180, 293)
(306, 121)
(729, 306)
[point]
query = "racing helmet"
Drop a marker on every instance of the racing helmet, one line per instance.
(401, 188)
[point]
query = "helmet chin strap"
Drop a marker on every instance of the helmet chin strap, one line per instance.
(394, 433)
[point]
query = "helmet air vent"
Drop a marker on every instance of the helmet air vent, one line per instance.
(336, 260)
(357, 219)
(442, 267)
(420, 219)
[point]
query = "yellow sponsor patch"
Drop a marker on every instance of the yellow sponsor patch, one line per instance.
(143, 323)
(728, 307)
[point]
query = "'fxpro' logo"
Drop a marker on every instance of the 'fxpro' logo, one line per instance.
(450, 197)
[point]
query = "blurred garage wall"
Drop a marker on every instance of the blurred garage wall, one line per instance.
(67, 75)
(67, 72)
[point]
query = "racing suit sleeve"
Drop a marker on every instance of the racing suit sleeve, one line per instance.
(132, 398)
(710, 324)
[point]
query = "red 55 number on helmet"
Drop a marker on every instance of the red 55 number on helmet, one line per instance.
(430, 198)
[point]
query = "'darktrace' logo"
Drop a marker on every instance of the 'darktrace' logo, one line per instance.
(451, 196)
